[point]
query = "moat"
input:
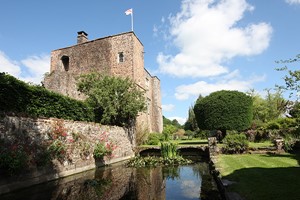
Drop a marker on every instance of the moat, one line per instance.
(189, 182)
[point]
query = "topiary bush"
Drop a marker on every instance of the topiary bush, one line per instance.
(224, 110)
(235, 143)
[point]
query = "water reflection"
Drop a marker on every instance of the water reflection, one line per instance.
(118, 182)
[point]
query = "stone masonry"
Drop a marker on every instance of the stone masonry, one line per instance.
(118, 55)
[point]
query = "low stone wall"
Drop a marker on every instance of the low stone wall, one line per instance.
(79, 138)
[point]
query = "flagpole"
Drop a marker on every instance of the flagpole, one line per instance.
(132, 20)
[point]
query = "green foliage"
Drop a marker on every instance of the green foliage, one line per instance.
(100, 150)
(168, 149)
(155, 138)
(269, 108)
(189, 134)
(104, 147)
(173, 122)
(191, 123)
(13, 159)
(235, 143)
(295, 111)
(273, 125)
(224, 110)
(156, 161)
(116, 100)
(35, 101)
(168, 131)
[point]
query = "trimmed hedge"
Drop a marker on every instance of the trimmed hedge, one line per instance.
(19, 97)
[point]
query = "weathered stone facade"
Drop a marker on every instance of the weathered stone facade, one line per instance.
(118, 55)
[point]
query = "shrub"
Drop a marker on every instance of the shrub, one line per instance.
(104, 147)
(235, 143)
(155, 138)
(168, 150)
(273, 125)
(13, 158)
(35, 101)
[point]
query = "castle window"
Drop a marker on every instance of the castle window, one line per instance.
(65, 62)
(120, 57)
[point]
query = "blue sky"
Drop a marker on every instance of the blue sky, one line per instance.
(193, 46)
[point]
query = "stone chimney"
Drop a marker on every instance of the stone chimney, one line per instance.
(82, 37)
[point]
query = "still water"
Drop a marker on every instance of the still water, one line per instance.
(117, 182)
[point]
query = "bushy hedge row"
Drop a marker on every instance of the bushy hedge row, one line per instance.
(35, 101)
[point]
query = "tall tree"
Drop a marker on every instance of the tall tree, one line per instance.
(191, 123)
(224, 110)
(116, 100)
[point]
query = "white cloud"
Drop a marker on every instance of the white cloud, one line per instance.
(168, 107)
(37, 67)
(292, 1)
(230, 82)
(181, 120)
(30, 69)
(9, 66)
(206, 34)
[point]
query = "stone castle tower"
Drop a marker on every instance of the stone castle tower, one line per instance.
(117, 55)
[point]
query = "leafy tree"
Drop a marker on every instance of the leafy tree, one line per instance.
(295, 110)
(116, 101)
(292, 79)
(269, 108)
(224, 110)
(173, 122)
(168, 131)
(191, 123)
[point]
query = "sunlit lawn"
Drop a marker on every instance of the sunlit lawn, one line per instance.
(262, 176)
(256, 144)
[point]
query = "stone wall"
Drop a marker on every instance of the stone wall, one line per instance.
(80, 140)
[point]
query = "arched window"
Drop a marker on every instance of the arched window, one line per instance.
(65, 62)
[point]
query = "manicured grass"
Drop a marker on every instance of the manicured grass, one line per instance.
(262, 176)
(192, 142)
(261, 144)
(255, 144)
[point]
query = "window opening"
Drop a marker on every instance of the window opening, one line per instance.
(65, 62)
(121, 57)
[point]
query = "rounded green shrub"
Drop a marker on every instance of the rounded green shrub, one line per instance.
(235, 143)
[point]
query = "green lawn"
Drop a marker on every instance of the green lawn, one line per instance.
(255, 144)
(262, 176)
(260, 144)
(192, 142)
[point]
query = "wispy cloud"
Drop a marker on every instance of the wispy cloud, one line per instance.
(229, 82)
(8, 65)
(168, 107)
(30, 69)
(206, 35)
(292, 1)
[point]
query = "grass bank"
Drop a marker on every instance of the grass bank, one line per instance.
(262, 176)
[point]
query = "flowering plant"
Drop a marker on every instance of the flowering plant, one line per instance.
(58, 138)
(104, 147)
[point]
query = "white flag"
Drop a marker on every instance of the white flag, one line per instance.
(128, 12)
